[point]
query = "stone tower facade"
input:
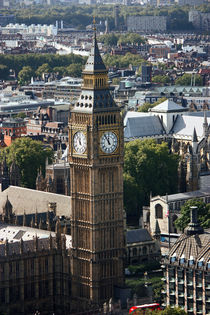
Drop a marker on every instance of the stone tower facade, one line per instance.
(96, 167)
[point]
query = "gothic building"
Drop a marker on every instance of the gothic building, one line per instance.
(9, 175)
(187, 133)
(34, 271)
(96, 184)
(56, 180)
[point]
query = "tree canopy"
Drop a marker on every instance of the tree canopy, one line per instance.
(203, 214)
(187, 78)
(161, 79)
(123, 61)
(80, 16)
(38, 64)
(170, 311)
(146, 160)
(30, 156)
(24, 76)
(146, 106)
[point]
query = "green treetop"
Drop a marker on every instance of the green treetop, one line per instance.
(30, 156)
(148, 167)
(203, 214)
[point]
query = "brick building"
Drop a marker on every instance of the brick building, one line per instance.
(12, 129)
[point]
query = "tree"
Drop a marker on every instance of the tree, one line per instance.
(109, 39)
(131, 38)
(24, 76)
(161, 79)
(170, 311)
(146, 160)
(20, 115)
(203, 214)
(146, 106)
(30, 156)
(187, 78)
(4, 72)
(74, 70)
(45, 68)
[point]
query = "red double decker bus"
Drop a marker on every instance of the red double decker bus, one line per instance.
(151, 307)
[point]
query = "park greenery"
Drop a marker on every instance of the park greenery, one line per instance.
(186, 79)
(203, 214)
(114, 39)
(164, 79)
(146, 159)
(27, 65)
(30, 156)
(80, 16)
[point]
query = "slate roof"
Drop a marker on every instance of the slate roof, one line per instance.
(14, 234)
(143, 126)
(94, 62)
(185, 124)
(187, 195)
(168, 106)
(137, 236)
(30, 200)
(196, 246)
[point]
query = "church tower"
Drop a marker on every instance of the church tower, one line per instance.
(96, 168)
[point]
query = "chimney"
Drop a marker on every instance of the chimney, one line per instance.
(194, 227)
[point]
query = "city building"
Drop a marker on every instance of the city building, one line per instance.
(187, 270)
(48, 30)
(34, 270)
(67, 88)
(14, 104)
(164, 210)
(56, 180)
(96, 183)
(200, 20)
(146, 23)
(12, 128)
(187, 134)
(190, 2)
(159, 51)
(141, 247)
(146, 73)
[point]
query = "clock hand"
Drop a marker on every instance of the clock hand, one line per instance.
(107, 138)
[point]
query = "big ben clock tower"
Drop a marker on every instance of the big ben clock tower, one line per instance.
(96, 166)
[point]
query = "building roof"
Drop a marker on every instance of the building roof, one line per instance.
(137, 236)
(143, 126)
(94, 62)
(185, 125)
(196, 246)
(15, 234)
(185, 195)
(28, 201)
(168, 106)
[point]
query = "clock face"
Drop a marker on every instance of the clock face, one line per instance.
(108, 142)
(79, 142)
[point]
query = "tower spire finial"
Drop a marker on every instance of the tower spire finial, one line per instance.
(94, 24)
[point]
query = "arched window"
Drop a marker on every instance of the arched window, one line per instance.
(134, 251)
(158, 211)
(144, 250)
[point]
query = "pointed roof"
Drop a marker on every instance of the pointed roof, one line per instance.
(157, 228)
(195, 138)
(94, 62)
(168, 106)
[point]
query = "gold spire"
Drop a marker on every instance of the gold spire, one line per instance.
(94, 24)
